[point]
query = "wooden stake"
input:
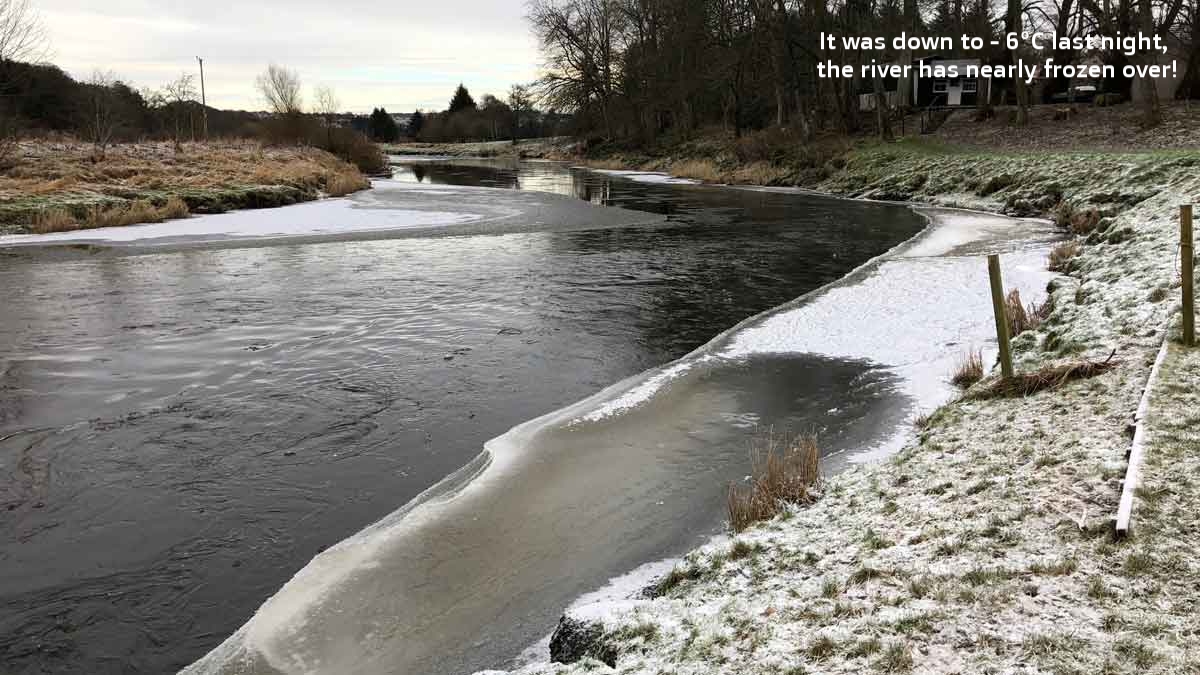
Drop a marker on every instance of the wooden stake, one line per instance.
(203, 100)
(1006, 364)
(1188, 257)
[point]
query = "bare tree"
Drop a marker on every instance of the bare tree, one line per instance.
(520, 99)
(326, 104)
(22, 34)
(179, 96)
(22, 38)
(280, 88)
(578, 39)
(102, 116)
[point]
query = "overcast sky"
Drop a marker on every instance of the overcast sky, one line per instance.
(400, 54)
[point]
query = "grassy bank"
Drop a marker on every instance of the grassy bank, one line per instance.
(559, 147)
(987, 544)
(57, 186)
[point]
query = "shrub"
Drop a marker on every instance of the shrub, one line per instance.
(969, 370)
(357, 149)
(766, 145)
(1078, 221)
(781, 474)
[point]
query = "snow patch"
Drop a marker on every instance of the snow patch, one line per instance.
(657, 177)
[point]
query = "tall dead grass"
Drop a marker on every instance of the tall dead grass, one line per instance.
(698, 169)
(132, 213)
(1022, 317)
(1078, 221)
(1061, 256)
(782, 472)
(54, 220)
(345, 182)
(1050, 377)
(969, 370)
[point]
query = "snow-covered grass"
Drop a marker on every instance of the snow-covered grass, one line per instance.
(986, 544)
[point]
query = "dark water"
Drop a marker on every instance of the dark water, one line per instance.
(181, 431)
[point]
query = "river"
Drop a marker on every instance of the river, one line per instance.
(184, 426)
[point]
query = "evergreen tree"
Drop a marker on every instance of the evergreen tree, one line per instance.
(383, 127)
(462, 100)
(416, 124)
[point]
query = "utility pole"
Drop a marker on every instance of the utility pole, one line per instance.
(203, 101)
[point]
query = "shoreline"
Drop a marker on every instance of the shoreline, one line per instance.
(644, 635)
(617, 593)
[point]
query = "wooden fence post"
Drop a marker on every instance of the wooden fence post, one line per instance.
(1187, 256)
(1002, 336)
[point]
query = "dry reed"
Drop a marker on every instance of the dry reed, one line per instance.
(343, 183)
(969, 370)
(1050, 377)
(698, 169)
(1021, 317)
(781, 473)
(1062, 255)
(53, 220)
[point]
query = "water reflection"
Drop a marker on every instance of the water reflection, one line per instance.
(551, 177)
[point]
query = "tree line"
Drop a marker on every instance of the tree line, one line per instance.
(464, 119)
(636, 69)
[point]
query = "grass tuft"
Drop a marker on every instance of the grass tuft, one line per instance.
(969, 370)
(781, 474)
(895, 659)
(1023, 318)
(1061, 256)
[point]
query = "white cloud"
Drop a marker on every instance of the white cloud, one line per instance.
(396, 54)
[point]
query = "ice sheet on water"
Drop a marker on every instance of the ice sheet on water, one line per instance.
(647, 177)
(915, 310)
(405, 209)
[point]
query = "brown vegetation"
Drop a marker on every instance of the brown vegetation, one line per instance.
(1062, 255)
(1050, 377)
(135, 212)
(1021, 317)
(149, 182)
(781, 473)
(53, 220)
(1077, 221)
(969, 370)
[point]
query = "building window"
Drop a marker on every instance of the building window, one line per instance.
(940, 86)
(970, 86)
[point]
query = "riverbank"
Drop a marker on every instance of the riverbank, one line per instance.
(557, 147)
(55, 187)
(986, 545)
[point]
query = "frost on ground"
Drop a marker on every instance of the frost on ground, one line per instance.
(985, 546)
